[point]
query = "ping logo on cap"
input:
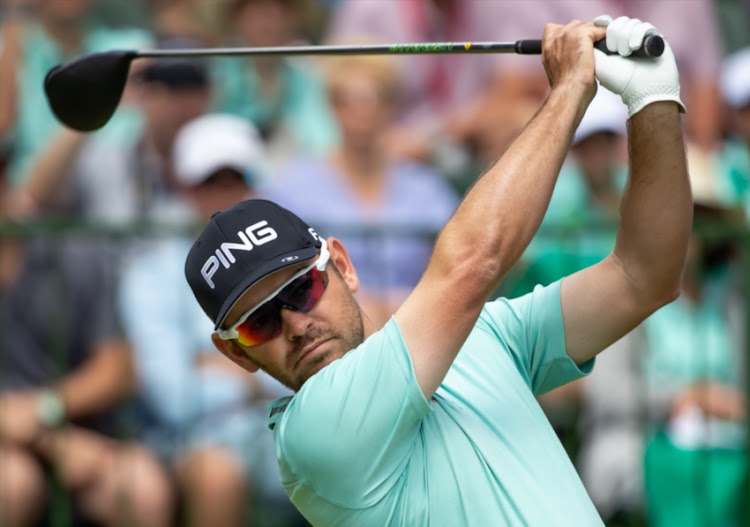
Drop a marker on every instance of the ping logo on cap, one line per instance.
(255, 235)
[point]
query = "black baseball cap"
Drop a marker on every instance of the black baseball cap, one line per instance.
(240, 246)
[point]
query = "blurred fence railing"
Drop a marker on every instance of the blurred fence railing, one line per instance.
(735, 236)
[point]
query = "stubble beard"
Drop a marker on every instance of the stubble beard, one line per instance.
(351, 335)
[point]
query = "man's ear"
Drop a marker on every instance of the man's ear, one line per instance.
(341, 260)
(233, 352)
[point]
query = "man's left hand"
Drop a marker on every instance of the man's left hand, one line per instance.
(639, 81)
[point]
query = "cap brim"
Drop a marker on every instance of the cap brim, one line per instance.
(279, 262)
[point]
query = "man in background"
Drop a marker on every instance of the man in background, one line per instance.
(65, 370)
(208, 416)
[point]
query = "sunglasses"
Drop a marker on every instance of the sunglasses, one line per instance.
(300, 293)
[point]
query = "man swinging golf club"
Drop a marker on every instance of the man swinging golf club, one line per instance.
(432, 420)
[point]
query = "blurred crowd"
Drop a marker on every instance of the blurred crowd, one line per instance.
(115, 409)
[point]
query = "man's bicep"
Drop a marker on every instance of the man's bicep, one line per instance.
(600, 304)
(435, 320)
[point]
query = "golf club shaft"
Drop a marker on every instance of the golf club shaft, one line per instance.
(526, 47)
(84, 92)
(653, 46)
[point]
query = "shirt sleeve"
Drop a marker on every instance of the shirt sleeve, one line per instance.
(531, 328)
(348, 433)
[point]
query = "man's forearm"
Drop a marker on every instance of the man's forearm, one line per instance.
(101, 382)
(53, 168)
(657, 206)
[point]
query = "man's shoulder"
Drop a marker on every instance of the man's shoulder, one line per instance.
(327, 434)
(339, 383)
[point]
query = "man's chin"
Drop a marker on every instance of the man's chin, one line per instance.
(323, 361)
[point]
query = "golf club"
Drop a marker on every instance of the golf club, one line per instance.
(85, 92)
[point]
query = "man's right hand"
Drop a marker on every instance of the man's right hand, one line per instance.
(568, 54)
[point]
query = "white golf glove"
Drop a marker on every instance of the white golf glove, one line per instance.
(638, 80)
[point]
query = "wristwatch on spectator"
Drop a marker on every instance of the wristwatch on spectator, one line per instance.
(50, 408)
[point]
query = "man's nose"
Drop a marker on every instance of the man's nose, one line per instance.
(294, 323)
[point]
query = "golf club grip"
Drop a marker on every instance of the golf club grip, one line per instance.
(653, 46)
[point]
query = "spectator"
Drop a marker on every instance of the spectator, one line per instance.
(390, 208)
(698, 22)
(283, 98)
(64, 372)
(734, 158)
(694, 372)
(34, 40)
(199, 20)
(662, 366)
(682, 374)
(139, 182)
(733, 16)
(195, 19)
(467, 100)
(209, 415)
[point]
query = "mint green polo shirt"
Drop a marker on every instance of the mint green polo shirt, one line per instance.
(359, 445)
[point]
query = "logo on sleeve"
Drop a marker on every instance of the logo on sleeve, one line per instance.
(276, 410)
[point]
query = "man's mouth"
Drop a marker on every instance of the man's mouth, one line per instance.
(309, 350)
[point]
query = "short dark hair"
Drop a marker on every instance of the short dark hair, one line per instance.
(176, 73)
(222, 175)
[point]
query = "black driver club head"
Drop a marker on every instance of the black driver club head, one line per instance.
(85, 92)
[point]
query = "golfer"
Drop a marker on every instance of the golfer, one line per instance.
(432, 420)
